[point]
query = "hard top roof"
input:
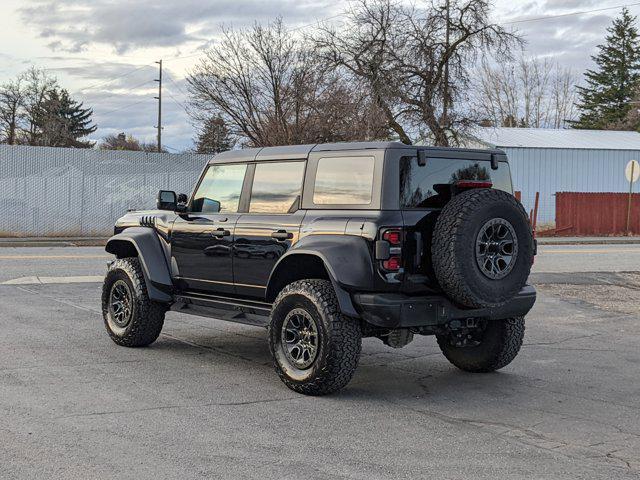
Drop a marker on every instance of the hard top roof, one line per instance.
(299, 152)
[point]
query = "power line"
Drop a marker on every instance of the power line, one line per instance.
(288, 30)
(90, 87)
(170, 77)
(511, 22)
(123, 107)
(180, 104)
(584, 12)
(316, 23)
(138, 85)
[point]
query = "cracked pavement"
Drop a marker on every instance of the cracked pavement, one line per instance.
(204, 401)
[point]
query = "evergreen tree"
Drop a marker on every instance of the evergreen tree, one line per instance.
(63, 122)
(606, 99)
(214, 137)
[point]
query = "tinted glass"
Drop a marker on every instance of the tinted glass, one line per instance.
(344, 181)
(430, 186)
(276, 187)
(220, 189)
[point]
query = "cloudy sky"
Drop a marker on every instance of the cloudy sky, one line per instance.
(104, 50)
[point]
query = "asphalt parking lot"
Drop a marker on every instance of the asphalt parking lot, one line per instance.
(204, 401)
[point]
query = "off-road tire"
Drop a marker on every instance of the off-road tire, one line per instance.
(501, 342)
(453, 249)
(339, 339)
(147, 316)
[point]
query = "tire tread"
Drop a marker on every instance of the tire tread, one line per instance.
(345, 340)
(451, 226)
(149, 315)
(498, 355)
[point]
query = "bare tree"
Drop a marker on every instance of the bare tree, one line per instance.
(564, 96)
(527, 93)
(122, 141)
(12, 98)
(270, 89)
(416, 63)
(38, 87)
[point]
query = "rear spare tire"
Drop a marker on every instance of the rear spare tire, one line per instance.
(482, 248)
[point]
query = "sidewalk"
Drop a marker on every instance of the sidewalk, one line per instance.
(588, 240)
(53, 242)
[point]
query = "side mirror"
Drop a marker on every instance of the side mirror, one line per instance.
(167, 200)
(209, 205)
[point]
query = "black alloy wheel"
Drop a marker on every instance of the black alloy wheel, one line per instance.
(496, 248)
(121, 303)
(300, 338)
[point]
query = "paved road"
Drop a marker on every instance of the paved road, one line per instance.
(204, 402)
(91, 261)
(588, 258)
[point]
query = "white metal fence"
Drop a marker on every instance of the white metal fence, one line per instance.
(81, 192)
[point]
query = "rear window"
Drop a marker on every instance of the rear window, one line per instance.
(429, 186)
(344, 181)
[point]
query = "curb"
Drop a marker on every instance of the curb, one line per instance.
(590, 241)
(53, 242)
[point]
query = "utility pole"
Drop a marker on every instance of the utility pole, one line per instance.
(159, 98)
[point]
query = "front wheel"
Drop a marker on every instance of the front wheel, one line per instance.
(489, 346)
(315, 347)
(130, 317)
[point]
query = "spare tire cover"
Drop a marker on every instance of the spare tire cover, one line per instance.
(482, 248)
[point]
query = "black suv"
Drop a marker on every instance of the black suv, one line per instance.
(327, 244)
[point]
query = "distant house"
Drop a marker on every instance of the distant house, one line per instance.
(550, 161)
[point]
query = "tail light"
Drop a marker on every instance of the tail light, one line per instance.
(389, 249)
(394, 237)
(393, 264)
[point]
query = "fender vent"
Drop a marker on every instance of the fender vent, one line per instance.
(148, 221)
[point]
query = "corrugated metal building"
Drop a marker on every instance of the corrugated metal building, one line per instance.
(550, 161)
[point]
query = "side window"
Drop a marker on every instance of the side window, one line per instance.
(344, 181)
(276, 187)
(219, 191)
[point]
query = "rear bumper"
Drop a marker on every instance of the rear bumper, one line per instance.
(394, 310)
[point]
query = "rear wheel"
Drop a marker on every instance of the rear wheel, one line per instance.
(315, 347)
(490, 346)
(130, 317)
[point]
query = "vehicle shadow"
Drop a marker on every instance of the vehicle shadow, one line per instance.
(419, 372)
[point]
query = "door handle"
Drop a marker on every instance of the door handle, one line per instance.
(220, 232)
(282, 235)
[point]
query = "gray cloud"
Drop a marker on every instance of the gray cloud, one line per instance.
(121, 96)
(188, 25)
(73, 25)
(573, 5)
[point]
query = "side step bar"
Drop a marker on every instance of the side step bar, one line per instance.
(248, 312)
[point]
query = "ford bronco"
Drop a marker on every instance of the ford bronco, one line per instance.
(327, 244)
